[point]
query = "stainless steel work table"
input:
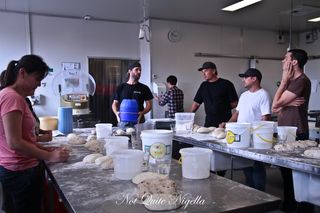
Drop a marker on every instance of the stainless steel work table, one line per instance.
(88, 188)
(293, 160)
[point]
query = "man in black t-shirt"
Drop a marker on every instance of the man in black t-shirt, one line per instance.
(218, 95)
(133, 89)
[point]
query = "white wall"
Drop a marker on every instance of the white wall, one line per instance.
(312, 68)
(178, 58)
(60, 40)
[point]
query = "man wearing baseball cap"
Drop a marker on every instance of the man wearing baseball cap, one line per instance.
(133, 89)
(218, 95)
(254, 105)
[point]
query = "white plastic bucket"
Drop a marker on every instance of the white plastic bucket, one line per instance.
(262, 134)
(103, 130)
(238, 134)
(184, 122)
(158, 143)
(127, 163)
(115, 143)
(289, 131)
(195, 162)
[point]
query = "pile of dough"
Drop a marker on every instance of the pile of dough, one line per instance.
(312, 153)
(156, 186)
(94, 145)
(195, 127)
(91, 158)
(105, 162)
(147, 175)
(297, 145)
(219, 133)
(162, 202)
(74, 139)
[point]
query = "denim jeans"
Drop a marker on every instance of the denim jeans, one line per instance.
(256, 176)
(23, 190)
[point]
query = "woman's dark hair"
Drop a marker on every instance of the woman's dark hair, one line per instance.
(31, 63)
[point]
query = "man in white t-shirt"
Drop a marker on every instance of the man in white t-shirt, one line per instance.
(254, 105)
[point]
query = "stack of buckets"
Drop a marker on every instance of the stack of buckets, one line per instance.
(129, 111)
(239, 134)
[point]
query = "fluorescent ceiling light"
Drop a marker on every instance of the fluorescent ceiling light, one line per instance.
(314, 19)
(239, 5)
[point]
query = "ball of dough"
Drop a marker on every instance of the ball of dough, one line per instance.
(91, 158)
(203, 130)
(312, 153)
(100, 160)
(120, 132)
(130, 130)
(74, 139)
(147, 175)
(221, 135)
(212, 128)
(107, 164)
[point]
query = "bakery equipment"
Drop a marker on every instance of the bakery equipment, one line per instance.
(74, 88)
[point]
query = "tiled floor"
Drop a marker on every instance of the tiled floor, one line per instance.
(274, 182)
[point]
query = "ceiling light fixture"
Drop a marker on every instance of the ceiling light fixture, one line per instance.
(239, 5)
(144, 31)
(315, 19)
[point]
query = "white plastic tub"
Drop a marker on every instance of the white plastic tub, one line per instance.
(262, 134)
(115, 143)
(103, 130)
(289, 131)
(195, 162)
(127, 163)
(238, 135)
(306, 187)
(158, 143)
(184, 122)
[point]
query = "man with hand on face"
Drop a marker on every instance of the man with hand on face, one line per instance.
(133, 89)
(254, 105)
(291, 104)
(218, 95)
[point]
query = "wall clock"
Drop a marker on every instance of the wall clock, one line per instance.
(174, 36)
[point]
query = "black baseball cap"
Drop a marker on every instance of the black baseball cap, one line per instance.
(252, 72)
(207, 65)
(133, 65)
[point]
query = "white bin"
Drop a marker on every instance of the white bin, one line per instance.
(306, 187)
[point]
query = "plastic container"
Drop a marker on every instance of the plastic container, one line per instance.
(222, 161)
(48, 123)
(129, 110)
(262, 134)
(158, 143)
(184, 122)
(115, 143)
(195, 162)
(238, 135)
(127, 163)
(289, 131)
(306, 187)
(103, 130)
(65, 120)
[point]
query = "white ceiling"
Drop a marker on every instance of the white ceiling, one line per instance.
(268, 14)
